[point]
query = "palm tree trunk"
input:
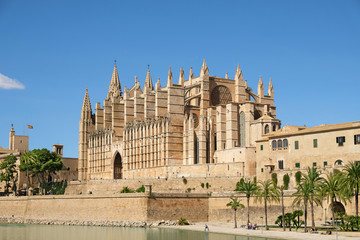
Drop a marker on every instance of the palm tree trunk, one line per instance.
(357, 200)
(248, 213)
(282, 208)
(312, 212)
(305, 216)
(266, 226)
(235, 219)
(333, 213)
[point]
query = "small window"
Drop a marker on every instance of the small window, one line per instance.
(340, 140)
(285, 144)
(297, 165)
(281, 164)
(261, 147)
(274, 145)
(296, 144)
(274, 128)
(325, 163)
(357, 139)
(314, 164)
(262, 170)
(315, 143)
(280, 144)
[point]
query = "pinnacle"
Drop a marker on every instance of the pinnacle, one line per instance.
(148, 83)
(114, 86)
(170, 78)
(86, 104)
(204, 69)
(181, 77)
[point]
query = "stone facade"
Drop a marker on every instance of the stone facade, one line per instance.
(152, 132)
(292, 149)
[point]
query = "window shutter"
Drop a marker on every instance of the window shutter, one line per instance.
(337, 139)
(344, 139)
(355, 139)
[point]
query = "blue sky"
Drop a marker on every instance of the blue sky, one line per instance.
(50, 51)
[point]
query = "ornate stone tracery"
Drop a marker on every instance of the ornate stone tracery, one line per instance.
(220, 95)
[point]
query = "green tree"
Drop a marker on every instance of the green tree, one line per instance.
(41, 163)
(303, 195)
(298, 175)
(312, 177)
(249, 189)
(267, 192)
(351, 182)
(235, 204)
(9, 174)
(298, 214)
(332, 190)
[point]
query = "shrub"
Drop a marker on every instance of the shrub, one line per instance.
(274, 178)
(127, 190)
(184, 180)
(202, 185)
(141, 189)
(208, 185)
(188, 190)
(183, 221)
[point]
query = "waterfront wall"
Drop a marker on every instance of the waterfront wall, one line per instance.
(122, 207)
(138, 207)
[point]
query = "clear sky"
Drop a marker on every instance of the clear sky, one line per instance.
(50, 51)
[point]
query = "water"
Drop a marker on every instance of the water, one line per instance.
(60, 232)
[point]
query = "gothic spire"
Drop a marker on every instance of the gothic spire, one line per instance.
(191, 75)
(170, 78)
(148, 83)
(86, 104)
(114, 86)
(158, 85)
(270, 89)
(204, 69)
(181, 77)
(260, 87)
(238, 76)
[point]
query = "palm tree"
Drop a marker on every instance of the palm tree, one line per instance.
(332, 190)
(285, 186)
(235, 204)
(351, 181)
(249, 189)
(267, 192)
(303, 195)
(314, 180)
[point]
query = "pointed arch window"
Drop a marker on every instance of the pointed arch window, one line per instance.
(267, 129)
(279, 144)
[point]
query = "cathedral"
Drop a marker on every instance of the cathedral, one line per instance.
(201, 126)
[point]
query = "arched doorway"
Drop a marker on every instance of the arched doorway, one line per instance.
(118, 168)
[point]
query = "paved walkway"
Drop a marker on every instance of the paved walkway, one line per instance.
(272, 233)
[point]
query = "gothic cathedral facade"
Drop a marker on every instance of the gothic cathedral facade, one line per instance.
(203, 126)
